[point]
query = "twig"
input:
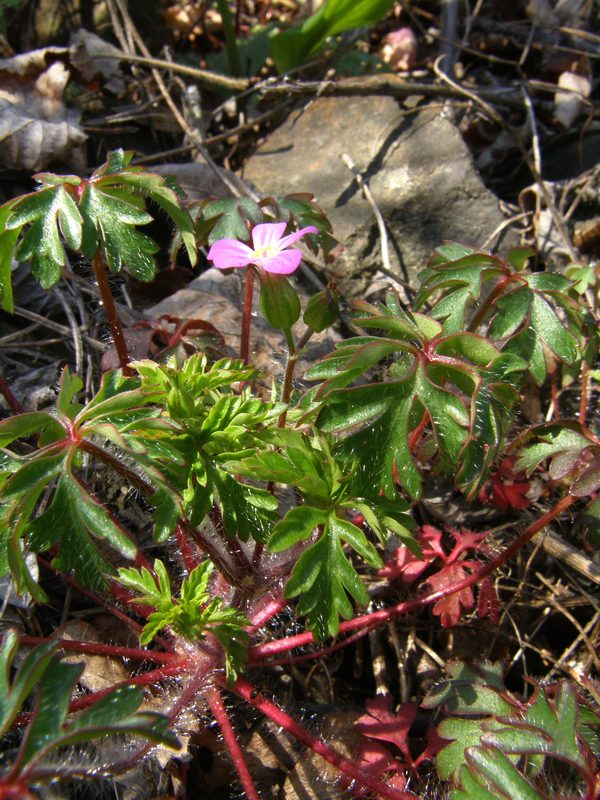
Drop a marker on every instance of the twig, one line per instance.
(449, 24)
(567, 614)
(553, 544)
(383, 615)
(75, 330)
(479, 100)
(388, 84)
(180, 119)
(201, 75)
(385, 251)
(55, 326)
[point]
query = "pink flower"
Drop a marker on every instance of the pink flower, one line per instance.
(271, 250)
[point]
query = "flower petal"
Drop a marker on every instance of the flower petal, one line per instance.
(230, 253)
(282, 263)
(293, 237)
(268, 234)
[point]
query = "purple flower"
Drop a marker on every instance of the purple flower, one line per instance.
(271, 250)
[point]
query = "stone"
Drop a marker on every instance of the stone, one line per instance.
(417, 167)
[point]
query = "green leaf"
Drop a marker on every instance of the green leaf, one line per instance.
(228, 218)
(553, 440)
(70, 519)
(324, 579)
(153, 591)
(247, 511)
(13, 694)
(501, 774)
(36, 471)
(23, 425)
(51, 707)
(8, 242)
(295, 46)
(69, 386)
(298, 524)
(49, 215)
(111, 220)
(50, 728)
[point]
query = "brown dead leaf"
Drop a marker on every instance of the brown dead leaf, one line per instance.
(36, 128)
(99, 672)
(89, 55)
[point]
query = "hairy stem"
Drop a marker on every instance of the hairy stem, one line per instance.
(382, 616)
(219, 712)
(488, 303)
(344, 765)
(112, 316)
(109, 650)
(247, 316)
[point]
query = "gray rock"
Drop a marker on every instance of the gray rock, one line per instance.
(417, 166)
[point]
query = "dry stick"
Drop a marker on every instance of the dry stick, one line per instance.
(344, 765)
(388, 84)
(383, 238)
(201, 75)
(55, 326)
(382, 616)
(111, 314)
(566, 613)
(75, 330)
(219, 712)
(493, 114)
(181, 121)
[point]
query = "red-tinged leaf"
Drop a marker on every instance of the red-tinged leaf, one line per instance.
(381, 724)
(507, 488)
(449, 608)
(467, 540)
(435, 743)
(405, 565)
(375, 759)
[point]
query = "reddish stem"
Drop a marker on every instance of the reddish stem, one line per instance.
(268, 608)
(554, 392)
(219, 712)
(325, 651)
(233, 545)
(344, 765)
(154, 676)
(96, 598)
(585, 385)
(112, 651)
(415, 435)
(12, 401)
(247, 316)
(112, 316)
(190, 552)
(385, 614)
(488, 303)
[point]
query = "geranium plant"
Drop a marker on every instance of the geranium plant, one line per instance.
(265, 501)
